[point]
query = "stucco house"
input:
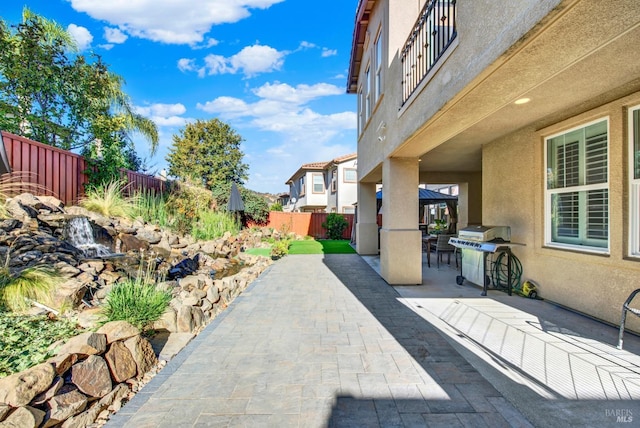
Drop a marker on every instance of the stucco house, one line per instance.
(324, 186)
(532, 108)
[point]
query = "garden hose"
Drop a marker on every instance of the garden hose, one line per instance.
(499, 272)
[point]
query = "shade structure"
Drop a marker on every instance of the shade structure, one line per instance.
(427, 196)
(235, 203)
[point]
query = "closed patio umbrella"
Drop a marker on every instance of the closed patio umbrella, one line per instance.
(235, 204)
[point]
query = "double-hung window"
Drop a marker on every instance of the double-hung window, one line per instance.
(377, 86)
(318, 183)
(634, 181)
(577, 190)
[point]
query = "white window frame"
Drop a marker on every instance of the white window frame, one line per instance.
(367, 95)
(377, 85)
(578, 188)
(313, 182)
(361, 106)
(634, 185)
(344, 177)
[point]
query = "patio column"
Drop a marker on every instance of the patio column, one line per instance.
(400, 238)
(366, 225)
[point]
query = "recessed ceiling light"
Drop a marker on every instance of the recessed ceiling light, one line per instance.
(522, 101)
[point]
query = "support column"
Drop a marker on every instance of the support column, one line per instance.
(366, 225)
(400, 238)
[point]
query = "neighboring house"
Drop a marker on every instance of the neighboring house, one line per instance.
(532, 108)
(324, 186)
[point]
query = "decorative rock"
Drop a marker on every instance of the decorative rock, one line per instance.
(64, 406)
(190, 282)
(40, 399)
(149, 235)
(199, 294)
(90, 318)
(19, 389)
(131, 243)
(69, 293)
(198, 317)
(175, 343)
(90, 415)
(120, 362)
(66, 270)
(24, 417)
(4, 411)
(91, 376)
(184, 319)
(142, 353)
(167, 321)
(191, 301)
(118, 330)
(62, 362)
(213, 294)
(88, 343)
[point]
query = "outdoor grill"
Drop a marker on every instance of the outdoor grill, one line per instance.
(476, 243)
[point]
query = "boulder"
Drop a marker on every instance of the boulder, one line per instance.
(92, 377)
(69, 293)
(19, 389)
(40, 399)
(89, 416)
(118, 330)
(62, 362)
(90, 318)
(167, 321)
(151, 236)
(64, 406)
(120, 362)
(88, 343)
(24, 417)
(131, 243)
(142, 353)
(184, 319)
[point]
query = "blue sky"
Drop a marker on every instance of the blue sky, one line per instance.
(274, 70)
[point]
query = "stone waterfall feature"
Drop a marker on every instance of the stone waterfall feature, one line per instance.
(79, 233)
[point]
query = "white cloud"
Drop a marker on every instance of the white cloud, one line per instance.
(186, 64)
(282, 109)
(250, 61)
(169, 21)
(326, 52)
(164, 114)
(81, 35)
(114, 35)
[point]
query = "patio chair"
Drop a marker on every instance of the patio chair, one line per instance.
(443, 247)
(626, 308)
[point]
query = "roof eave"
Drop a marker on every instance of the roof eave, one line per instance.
(357, 43)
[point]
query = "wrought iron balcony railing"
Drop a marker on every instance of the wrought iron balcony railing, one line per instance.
(432, 34)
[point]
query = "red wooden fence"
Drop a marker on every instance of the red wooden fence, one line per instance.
(306, 223)
(58, 172)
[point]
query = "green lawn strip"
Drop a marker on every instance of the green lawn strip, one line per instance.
(324, 246)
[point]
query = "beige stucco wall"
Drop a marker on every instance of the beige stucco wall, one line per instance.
(486, 29)
(513, 191)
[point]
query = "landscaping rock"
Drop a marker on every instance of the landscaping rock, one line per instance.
(120, 362)
(90, 318)
(92, 377)
(175, 343)
(167, 321)
(88, 343)
(40, 399)
(64, 406)
(90, 415)
(23, 417)
(142, 353)
(184, 319)
(118, 330)
(19, 389)
(62, 362)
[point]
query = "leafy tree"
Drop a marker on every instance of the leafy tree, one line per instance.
(335, 225)
(53, 95)
(207, 152)
(276, 206)
(256, 207)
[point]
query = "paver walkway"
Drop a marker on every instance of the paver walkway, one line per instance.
(319, 341)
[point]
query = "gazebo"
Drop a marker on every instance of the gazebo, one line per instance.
(428, 197)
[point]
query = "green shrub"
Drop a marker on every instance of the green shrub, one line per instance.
(276, 206)
(280, 249)
(152, 207)
(213, 224)
(109, 201)
(137, 301)
(185, 203)
(26, 340)
(33, 283)
(335, 224)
